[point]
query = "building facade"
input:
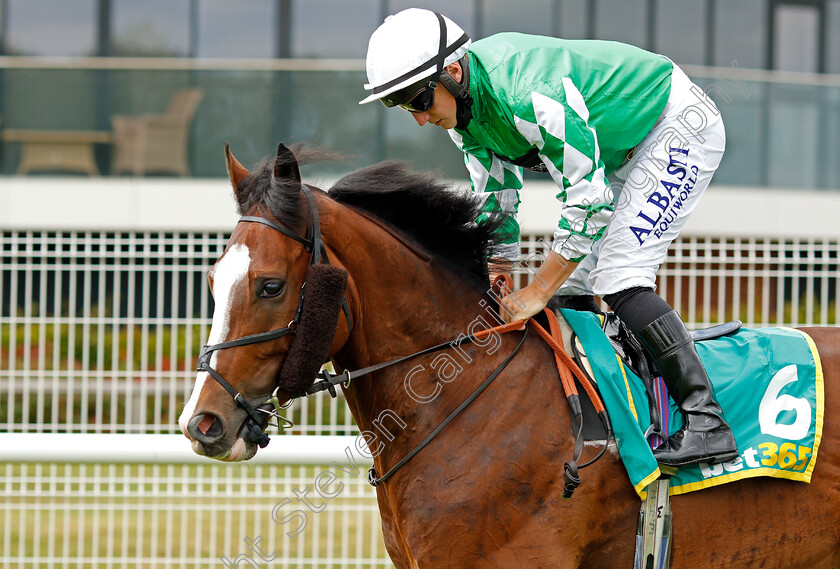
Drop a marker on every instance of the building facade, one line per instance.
(293, 70)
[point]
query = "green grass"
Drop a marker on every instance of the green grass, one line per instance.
(137, 515)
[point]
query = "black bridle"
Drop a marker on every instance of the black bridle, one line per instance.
(313, 244)
(271, 406)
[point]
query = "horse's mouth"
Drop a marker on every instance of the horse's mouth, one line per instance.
(243, 448)
(240, 449)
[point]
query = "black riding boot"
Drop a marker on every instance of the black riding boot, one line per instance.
(706, 437)
(580, 302)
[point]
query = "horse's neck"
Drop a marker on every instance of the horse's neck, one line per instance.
(402, 303)
(406, 305)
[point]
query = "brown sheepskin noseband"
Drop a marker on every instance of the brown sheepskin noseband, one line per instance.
(323, 296)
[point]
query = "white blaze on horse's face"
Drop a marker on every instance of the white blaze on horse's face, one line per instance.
(231, 269)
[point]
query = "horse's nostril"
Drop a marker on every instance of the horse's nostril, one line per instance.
(207, 423)
(206, 428)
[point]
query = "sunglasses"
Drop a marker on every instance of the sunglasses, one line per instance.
(421, 101)
(414, 99)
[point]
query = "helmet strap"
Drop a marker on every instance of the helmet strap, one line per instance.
(441, 54)
(461, 92)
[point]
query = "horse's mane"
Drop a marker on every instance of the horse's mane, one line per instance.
(428, 211)
(438, 218)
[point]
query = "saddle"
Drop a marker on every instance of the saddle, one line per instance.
(631, 352)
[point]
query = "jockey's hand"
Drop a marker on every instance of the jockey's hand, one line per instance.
(521, 305)
(526, 302)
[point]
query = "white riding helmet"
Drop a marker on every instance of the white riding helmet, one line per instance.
(408, 47)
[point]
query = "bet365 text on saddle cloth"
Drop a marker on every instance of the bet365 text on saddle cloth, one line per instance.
(769, 383)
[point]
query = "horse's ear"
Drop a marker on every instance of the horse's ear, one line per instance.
(236, 171)
(285, 165)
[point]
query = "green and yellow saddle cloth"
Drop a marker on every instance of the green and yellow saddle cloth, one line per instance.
(768, 381)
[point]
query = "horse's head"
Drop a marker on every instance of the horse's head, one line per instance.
(277, 303)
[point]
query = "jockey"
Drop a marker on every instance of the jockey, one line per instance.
(579, 111)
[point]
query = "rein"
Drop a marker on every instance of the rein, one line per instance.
(374, 481)
(566, 367)
(255, 433)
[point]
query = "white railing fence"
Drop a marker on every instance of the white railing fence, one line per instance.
(98, 337)
(156, 512)
(760, 281)
(64, 502)
(99, 332)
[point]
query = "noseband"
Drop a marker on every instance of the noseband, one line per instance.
(271, 406)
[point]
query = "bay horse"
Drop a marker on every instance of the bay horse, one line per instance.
(486, 492)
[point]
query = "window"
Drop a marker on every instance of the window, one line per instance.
(796, 38)
(622, 20)
(745, 124)
(793, 127)
(680, 30)
(532, 17)
(462, 13)
(572, 19)
(333, 28)
(151, 28)
(740, 33)
(236, 29)
(49, 27)
(833, 37)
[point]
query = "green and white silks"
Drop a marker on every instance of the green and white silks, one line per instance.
(584, 104)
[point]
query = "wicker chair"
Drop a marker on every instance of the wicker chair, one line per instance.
(156, 143)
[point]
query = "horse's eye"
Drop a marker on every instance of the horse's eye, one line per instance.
(271, 288)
